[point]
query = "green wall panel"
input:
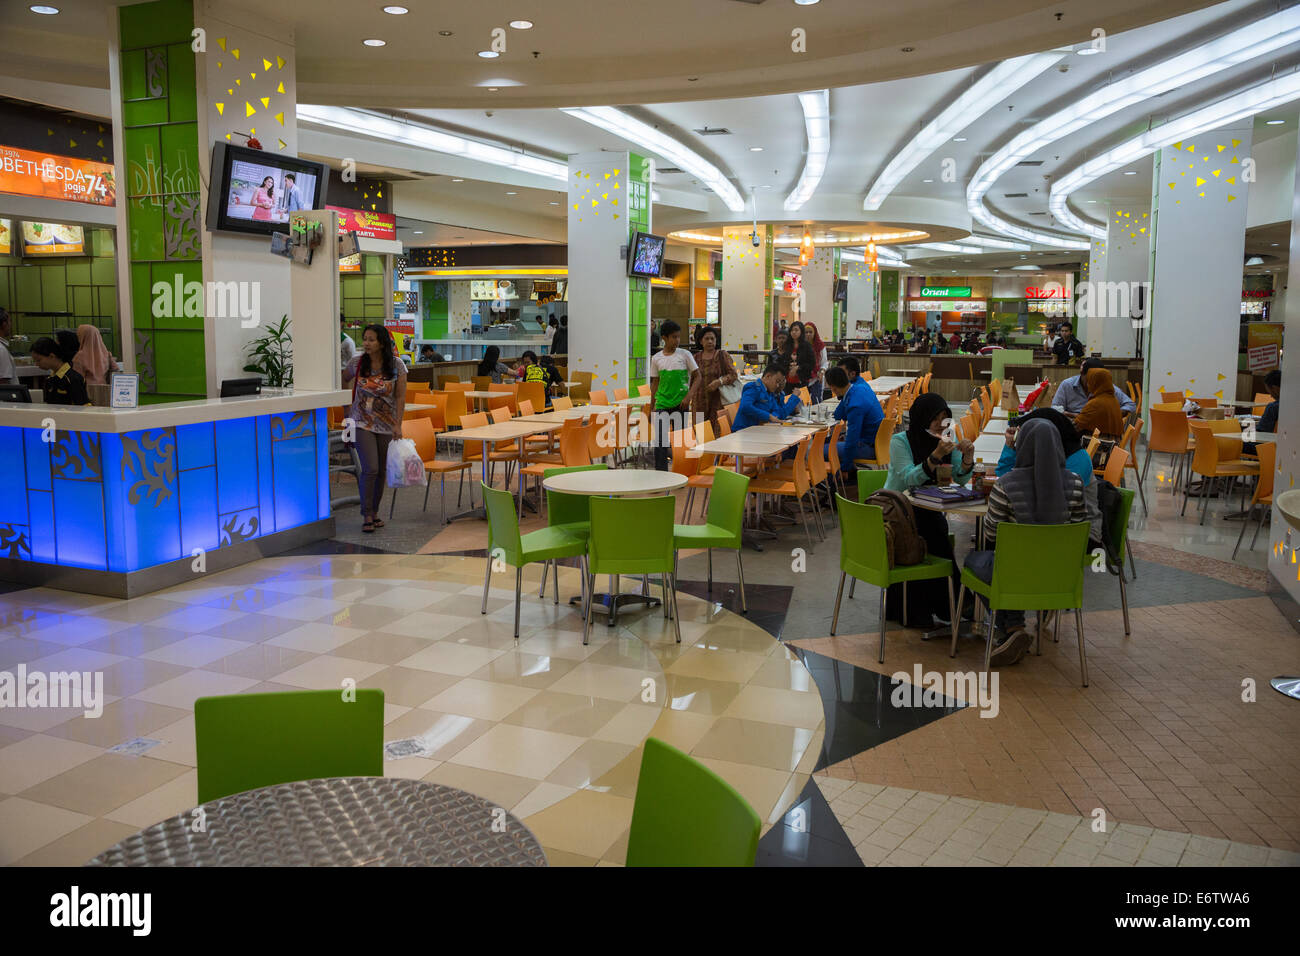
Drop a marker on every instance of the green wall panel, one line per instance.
(82, 285)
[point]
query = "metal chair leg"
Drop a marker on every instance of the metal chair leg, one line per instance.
(954, 614)
(806, 530)
(709, 553)
(487, 579)
(557, 581)
(1244, 521)
(881, 659)
(519, 587)
(961, 602)
(852, 585)
(1123, 600)
(541, 591)
(677, 617)
(1146, 464)
(427, 485)
(1258, 527)
(740, 574)
(1143, 495)
(839, 592)
(1132, 565)
(1083, 659)
(988, 643)
(591, 601)
(392, 502)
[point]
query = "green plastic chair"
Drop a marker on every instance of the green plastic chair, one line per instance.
(869, 482)
(569, 512)
(517, 550)
(686, 815)
(865, 556)
(1036, 567)
(722, 525)
(632, 536)
(248, 741)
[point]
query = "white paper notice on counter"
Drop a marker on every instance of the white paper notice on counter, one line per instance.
(126, 390)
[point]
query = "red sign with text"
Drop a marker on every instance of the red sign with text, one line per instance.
(368, 225)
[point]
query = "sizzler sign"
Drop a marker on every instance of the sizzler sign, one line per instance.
(1034, 292)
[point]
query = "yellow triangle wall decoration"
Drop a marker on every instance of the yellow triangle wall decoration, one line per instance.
(279, 118)
(249, 108)
(266, 64)
(266, 102)
(280, 88)
(279, 63)
(235, 54)
(221, 42)
(221, 109)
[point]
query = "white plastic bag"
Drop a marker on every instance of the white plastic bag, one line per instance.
(405, 469)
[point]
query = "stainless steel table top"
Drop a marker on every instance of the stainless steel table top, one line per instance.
(343, 821)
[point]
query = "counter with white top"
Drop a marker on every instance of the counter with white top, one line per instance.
(466, 349)
(121, 502)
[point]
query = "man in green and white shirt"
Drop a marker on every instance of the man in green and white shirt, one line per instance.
(672, 373)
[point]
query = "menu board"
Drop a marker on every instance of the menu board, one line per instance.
(487, 290)
(367, 225)
(6, 237)
(53, 239)
(26, 172)
(350, 263)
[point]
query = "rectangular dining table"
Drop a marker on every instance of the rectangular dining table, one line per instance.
(513, 430)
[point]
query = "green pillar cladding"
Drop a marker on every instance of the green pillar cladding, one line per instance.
(161, 187)
(434, 309)
(888, 299)
(638, 290)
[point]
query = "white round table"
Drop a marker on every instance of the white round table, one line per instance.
(615, 482)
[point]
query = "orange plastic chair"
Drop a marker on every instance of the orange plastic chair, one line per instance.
(599, 397)
(798, 487)
(1166, 397)
(457, 407)
(643, 390)
(1115, 465)
(1262, 400)
(884, 434)
(454, 386)
(1263, 494)
(534, 392)
(1130, 444)
(1215, 459)
(561, 404)
(619, 394)
(574, 440)
(481, 383)
(511, 393)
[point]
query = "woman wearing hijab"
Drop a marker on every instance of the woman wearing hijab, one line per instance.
(1076, 460)
(915, 456)
(797, 353)
(92, 359)
(1040, 489)
(1102, 410)
(821, 360)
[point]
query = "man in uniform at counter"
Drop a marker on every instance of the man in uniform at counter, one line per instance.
(8, 374)
(64, 385)
(1072, 394)
(1067, 347)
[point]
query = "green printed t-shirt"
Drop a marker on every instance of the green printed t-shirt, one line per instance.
(674, 375)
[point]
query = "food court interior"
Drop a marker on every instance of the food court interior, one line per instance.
(510, 208)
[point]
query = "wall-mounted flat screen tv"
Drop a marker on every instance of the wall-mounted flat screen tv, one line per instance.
(645, 255)
(256, 192)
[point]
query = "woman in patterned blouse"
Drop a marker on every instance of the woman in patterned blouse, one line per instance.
(378, 402)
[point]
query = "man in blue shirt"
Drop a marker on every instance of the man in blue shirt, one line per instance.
(291, 199)
(1072, 394)
(759, 402)
(860, 410)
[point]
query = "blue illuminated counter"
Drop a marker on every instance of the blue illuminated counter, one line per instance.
(123, 502)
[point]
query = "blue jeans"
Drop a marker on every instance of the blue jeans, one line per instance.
(864, 450)
(980, 564)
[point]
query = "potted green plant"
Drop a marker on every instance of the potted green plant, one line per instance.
(271, 355)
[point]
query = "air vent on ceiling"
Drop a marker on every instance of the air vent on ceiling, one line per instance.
(668, 170)
(1015, 195)
(1038, 214)
(718, 131)
(1030, 162)
(752, 3)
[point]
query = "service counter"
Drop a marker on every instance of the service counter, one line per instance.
(462, 349)
(122, 502)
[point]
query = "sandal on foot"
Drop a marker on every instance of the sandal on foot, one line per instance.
(377, 523)
(368, 527)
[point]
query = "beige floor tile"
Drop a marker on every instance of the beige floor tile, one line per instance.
(587, 823)
(737, 667)
(522, 751)
(39, 757)
(182, 691)
(602, 680)
(176, 796)
(774, 706)
(74, 659)
(196, 619)
(784, 674)
(503, 789)
(681, 729)
(41, 719)
(565, 713)
(328, 672)
(425, 625)
(482, 699)
(746, 741)
(26, 826)
(406, 598)
(409, 686)
(177, 742)
(445, 658)
(130, 677)
(534, 671)
(556, 857)
(121, 721)
(381, 647)
(195, 651)
(411, 768)
(565, 644)
(259, 661)
(367, 617)
(314, 637)
(137, 639)
(631, 725)
(700, 695)
(80, 846)
(592, 761)
(761, 786)
(542, 796)
(444, 735)
(104, 783)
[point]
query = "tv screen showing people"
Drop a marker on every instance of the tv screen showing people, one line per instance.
(265, 193)
(647, 255)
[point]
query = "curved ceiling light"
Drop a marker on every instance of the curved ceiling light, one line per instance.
(654, 141)
(1275, 92)
(1245, 43)
(991, 89)
(969, 245)
(817, 122)
(426, 137)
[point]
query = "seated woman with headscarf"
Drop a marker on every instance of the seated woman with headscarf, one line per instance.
(92, 359)
(1076, 460)
(1040, 489)
(1102, 410)
(915, 456)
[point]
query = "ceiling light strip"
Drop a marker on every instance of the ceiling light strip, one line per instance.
(991, 89)
(652, 140)
(1276, 92)
(394, 130)
(816, 106)
(1241, 45)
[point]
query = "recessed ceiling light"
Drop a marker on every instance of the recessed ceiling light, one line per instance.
(1092, 200)
(375, 42)
(511, 192)
(522, 24)
(1087, 51)
(805, 3)
(554, 203)
(43, 9)
(458, 180)
(445, 33)
(488, 54)
(1130, 172)
(1266, 122)
(927, 180)
(959, 139)
(417, 232)
(493, 89)
(396, 11)
(1273, 243)
(458, 237)
(756, 149)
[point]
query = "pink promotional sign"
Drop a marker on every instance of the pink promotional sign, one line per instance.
(367, 225)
